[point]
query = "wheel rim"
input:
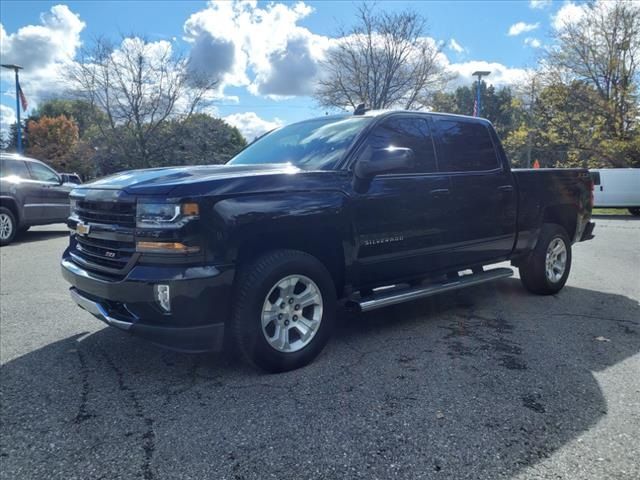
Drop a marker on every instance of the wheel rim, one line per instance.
(556, 261)
(6, 226)
(291, 313)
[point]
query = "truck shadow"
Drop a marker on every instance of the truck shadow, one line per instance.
(482, 383)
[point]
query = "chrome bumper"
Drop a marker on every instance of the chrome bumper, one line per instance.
(97, 310)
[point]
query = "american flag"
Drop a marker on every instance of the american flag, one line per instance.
(475, 107)
(23, 99)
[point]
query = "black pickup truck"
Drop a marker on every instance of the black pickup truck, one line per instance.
(371, 209)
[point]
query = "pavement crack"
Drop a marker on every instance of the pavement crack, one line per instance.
(82, 414)
(149, 436)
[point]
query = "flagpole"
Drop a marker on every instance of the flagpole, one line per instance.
(15, 68)
(19, 149)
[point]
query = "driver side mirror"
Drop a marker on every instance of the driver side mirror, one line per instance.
(386, 160)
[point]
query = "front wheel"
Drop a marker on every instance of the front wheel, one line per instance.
(547, 268)
(284, 310)
(8, 226)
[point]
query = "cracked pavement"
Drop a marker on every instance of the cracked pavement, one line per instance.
(485, 383)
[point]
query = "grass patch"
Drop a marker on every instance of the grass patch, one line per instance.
(610, 211)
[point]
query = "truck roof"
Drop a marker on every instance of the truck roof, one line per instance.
(378, 113)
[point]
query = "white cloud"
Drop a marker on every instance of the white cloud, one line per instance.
(568, 14)
(532, 42)
(500, 76)
(251, 125)
(7, 118)
(455, 46)
(42, 50)
(521, 27)
(263, 49)
(539, 4)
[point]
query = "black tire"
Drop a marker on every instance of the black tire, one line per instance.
(7, 221)
(533, 272)
(635, 211)
(253, 284)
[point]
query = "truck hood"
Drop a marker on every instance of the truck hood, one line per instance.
(163, 181)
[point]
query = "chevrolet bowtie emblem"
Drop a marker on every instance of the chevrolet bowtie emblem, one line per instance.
(82, 228)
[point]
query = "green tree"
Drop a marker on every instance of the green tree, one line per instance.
(197, 140)
(85, 115)
(497, 104)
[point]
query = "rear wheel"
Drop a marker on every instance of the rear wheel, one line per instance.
(547, 268)
(8, 226)
(635, 211)
(284, 310)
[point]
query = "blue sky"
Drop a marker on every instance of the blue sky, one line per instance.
(502, 36)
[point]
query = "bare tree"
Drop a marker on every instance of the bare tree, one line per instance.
(602, 49)
(140, 85)
(384, 61)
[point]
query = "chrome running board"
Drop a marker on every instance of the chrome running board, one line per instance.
(385, 299)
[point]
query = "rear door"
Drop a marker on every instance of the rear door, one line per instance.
(400, 219)
(483, 197)
(51, 197)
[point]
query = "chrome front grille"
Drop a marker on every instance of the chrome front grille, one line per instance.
(109, 247)
(110, 213)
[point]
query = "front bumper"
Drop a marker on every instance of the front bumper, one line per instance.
(200, 302)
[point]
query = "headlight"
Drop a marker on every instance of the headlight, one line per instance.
(73, 207)
(165, 215)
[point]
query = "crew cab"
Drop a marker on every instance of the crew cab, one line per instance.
(370, 209)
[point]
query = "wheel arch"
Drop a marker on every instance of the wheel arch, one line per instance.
(12, 205)
(322, 243)
(564, 215)
(310, 222)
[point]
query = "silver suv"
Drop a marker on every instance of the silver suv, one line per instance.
(31, 193)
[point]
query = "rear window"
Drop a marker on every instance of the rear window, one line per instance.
(465, 147)
(9, 168)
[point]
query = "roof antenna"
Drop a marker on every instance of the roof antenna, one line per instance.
(360, 109)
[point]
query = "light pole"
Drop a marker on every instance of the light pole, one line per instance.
(479, 74)
(15, 68)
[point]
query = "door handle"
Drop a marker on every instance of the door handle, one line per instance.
(506, 188)
(440, 192)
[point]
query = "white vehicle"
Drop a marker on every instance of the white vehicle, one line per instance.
(617, 188)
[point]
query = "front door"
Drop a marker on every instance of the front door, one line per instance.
(401, 220)
(50, 197)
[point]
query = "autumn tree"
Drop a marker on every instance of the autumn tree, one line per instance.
(384, 61)
(52, 139)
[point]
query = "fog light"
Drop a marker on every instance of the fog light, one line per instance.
(163, 297)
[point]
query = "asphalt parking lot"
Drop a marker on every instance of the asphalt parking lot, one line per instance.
(487, 383)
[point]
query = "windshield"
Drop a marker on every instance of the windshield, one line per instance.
(312, 145)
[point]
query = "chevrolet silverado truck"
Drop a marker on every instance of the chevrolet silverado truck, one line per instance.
(365, 210)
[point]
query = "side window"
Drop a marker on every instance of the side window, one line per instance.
(466, 146)
(16, 168)
(406, 132)
(41, 173)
